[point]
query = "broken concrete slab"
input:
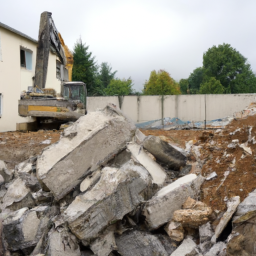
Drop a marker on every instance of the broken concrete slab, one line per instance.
(62, 243)
(175, 231)
(4, 172)
(18, 224)
(246, 210)
(232, 206)
(169, 245)
(156, 171)
(139, 137)
(118, 192)
(205, 233)
(89, 143)
(90, 180)
(17, 196)
(139, 243)
(186, 247)
(217, 249)
(171, 198)
(164, 152)
(105, 244)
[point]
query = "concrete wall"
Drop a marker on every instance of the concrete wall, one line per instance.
(185, 107)
(14, 78)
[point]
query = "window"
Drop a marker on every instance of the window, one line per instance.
(1, 104)
(26, 59)
(58, 65)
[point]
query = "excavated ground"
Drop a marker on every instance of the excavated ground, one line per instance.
(16, 147)
(234, 164)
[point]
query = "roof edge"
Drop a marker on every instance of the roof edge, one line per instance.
(17, 32)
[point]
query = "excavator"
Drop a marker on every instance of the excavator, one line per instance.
(43, 103)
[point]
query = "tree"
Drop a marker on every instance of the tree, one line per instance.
(161, 83)
(119, 87)
(212, 86)
(84, 67)
(106, 74)
(230, 67)
(184, 86)
(195, 79)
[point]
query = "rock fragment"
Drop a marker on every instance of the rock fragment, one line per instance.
(164, 152)
(217, 249)
(178, 192)
(232, 205)
(175, 231)
(104, 245)
(186, 247)
(194, 214)
(118, 192)
(17, 196)
(4, 172)
(86, 145)
(62, 243)
(139, 243)
(205, 233)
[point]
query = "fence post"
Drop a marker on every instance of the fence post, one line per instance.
(162, 105)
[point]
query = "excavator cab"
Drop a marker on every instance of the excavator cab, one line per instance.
(75, 91)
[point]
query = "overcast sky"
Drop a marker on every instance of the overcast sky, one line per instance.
(138, 36)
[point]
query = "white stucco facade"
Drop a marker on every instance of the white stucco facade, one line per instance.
(14, 78)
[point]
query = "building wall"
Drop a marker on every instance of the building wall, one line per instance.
(185, 107)
(14, 78)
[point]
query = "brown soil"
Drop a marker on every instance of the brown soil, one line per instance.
(16, 147)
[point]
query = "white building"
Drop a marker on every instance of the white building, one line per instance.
(17, 69)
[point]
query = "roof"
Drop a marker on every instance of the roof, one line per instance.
(17, 32)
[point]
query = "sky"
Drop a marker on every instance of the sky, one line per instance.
(138, 36)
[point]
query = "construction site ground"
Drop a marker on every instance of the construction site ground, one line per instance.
(235, 168)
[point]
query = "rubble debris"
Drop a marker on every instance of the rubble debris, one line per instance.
(104, 245)
(117, 193)
(139, 137)
(169, 245)
(175, 231)
(211, 176)
(5, 173)
(139, 243)
(185, 170)
(217, 249)
(17, 196)
(232, 205)
(164, 152)
(193, 214)
(205, 233)
(186, 247)
(62, 243)
(83, 148)
(178, 192)
(246, 210)
(90, 180)
(156, 171)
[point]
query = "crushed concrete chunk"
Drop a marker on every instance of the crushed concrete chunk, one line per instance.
(177, 192)
(175, 231)
(139, 137)
(117, 193)
(246, 210)
(156, 171)
(4, 172)
(211, 176)
(186, 247)
(89, 143)
(90, 181)
(17, 196)
(139, 243)
(62, 243)
(22, 225)
(104, 245)
(164, 152)
(205, 233)
(232, 205)
(217, 249)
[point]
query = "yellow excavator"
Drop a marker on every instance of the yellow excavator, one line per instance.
(43, 103)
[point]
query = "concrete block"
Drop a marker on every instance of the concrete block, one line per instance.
(170, 198)
(86, 145)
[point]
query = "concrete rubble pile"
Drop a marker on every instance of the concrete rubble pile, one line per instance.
(106, 189)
